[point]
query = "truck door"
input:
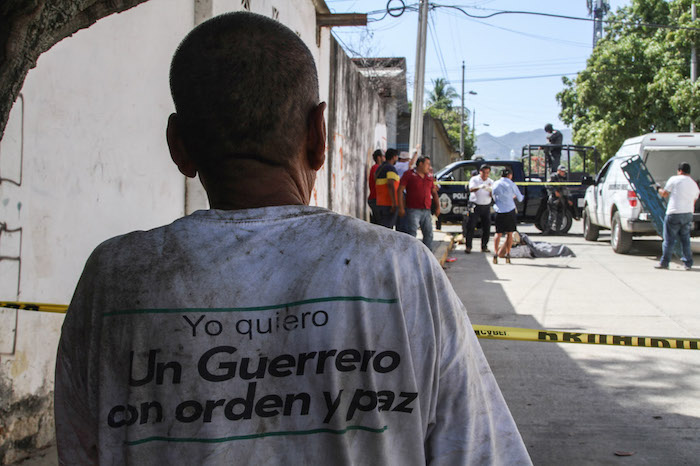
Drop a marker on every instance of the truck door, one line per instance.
(599, 194)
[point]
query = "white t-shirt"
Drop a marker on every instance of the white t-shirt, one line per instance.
(483, 195)
(401, 167)
(274, 336)
(684, 191)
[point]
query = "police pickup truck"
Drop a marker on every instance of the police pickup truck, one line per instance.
(529, 173)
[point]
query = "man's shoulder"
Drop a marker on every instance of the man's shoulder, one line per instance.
(689, 183)
(386, 168)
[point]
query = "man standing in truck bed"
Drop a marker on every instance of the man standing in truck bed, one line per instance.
(266, 331)
(555, 138)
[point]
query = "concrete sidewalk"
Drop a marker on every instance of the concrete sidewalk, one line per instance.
(442, 245)
(580, 404)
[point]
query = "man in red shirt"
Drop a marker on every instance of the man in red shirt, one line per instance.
(421, 192)
(372, 199)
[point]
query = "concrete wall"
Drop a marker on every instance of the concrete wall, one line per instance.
(300, 16)
(87, 135)
(84, 158)
(436, 143)
(356, 128)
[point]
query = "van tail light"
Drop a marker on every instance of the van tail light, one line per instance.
(632, 198)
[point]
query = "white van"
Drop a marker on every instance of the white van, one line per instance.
(611, 204)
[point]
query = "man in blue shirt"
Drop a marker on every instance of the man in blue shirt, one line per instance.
(504, 193)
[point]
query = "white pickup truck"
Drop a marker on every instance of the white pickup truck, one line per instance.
(612, 204)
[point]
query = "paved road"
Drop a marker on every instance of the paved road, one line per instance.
(580, 404)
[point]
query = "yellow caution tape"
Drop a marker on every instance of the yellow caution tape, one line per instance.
(525, 334)
(519, 183)
(43, 307)
(491, 332)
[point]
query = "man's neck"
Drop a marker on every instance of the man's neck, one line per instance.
(235, 187)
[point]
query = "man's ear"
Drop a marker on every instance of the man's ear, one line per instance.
(178, 152)
(316, 137)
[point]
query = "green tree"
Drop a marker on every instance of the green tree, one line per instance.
(442, 94)
(637, 79)
(440, 106)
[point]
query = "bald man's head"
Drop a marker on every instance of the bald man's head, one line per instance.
(243, 87)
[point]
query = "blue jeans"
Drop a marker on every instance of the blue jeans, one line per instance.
(385, 217)
(677, 226)
(422, 217)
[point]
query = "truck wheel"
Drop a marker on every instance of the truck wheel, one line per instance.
(542, 222)
(566, 222)
(620, 240)
(590, 231)
(542, 219)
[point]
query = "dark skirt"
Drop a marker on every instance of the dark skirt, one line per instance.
(505, 222)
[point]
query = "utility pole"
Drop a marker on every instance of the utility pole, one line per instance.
(474, 123)
(461, 119)
(416, 131)
(693, 60)
(597, 9)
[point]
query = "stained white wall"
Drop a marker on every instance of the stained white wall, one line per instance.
(87, 138)
(89, 130)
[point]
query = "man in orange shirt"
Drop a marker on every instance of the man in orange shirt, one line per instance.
(387, 181)
(372, 198)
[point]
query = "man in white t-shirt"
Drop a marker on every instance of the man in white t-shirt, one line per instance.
(479, 187)
(263, 330)
(682, 192)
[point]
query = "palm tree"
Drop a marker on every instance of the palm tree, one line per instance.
(442, 94)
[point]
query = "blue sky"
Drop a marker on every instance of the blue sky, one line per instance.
(501, 54)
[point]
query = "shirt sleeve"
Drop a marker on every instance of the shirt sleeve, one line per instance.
(74, 404)
(518, 195)
(670, 184)
(404, 179)
(392, 174)
(473, 424)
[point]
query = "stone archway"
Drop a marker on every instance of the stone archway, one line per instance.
(29, 28)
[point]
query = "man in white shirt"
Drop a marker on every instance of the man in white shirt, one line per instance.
(480, 187)
(264, 330)
(682, 192)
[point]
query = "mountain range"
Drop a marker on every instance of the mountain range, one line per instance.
(502, 147)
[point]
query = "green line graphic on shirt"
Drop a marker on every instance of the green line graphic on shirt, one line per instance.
(251, 309)
(254, 436)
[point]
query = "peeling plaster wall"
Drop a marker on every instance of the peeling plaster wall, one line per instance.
(87, 139)
(357, 126)
(84, 158)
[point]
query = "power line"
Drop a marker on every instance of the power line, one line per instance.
(438, 51)
(413, 7)
(534, 36)
(575, 18)
(513, 78)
